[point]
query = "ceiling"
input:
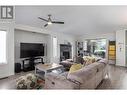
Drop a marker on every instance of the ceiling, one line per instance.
(79, 20)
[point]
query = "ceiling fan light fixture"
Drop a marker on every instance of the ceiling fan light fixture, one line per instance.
(49, 23)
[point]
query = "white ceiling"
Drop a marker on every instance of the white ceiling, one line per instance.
(79, 20)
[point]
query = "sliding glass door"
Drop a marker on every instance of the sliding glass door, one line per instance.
(95, 47)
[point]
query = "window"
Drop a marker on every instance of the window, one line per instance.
(54, 47)
(85, 45)
(97, 47)
(3, 35)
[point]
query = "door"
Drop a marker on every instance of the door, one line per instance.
(120, 48)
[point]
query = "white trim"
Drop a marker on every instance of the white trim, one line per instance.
(31, 29)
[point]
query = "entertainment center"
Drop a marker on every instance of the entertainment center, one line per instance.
(31, 52)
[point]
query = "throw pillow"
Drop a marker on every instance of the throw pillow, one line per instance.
(89, 59)
(70, 60)
(75, 67)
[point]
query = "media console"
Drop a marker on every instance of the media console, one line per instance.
(30, 65)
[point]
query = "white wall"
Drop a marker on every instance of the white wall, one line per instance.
(27, 37)
(8, 69)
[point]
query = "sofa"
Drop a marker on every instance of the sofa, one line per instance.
(88, 77)
(69, 62)
(85, 60)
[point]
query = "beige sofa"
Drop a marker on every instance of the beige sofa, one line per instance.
(88, 77)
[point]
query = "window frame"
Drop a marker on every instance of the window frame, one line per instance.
(4, 63)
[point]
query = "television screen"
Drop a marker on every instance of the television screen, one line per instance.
(31, 50)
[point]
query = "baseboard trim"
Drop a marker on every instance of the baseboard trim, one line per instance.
(3, 78)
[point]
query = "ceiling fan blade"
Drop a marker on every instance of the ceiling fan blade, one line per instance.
(58, 22)
(45, 25)
(43, 19)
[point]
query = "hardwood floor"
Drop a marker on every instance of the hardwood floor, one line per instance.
(8, 83)
(117, 79)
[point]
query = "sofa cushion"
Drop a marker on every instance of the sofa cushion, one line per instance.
(75, 67)
(70, 60)
(59, 81)
(85, 73)
(89, 59)
(66, 63)
(103, 61)
(81, 75)
(78, 59)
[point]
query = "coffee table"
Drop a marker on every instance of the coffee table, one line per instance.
(46, 68)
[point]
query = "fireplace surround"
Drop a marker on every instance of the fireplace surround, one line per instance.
(65, 51)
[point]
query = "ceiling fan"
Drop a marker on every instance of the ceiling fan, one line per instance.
(49, 21)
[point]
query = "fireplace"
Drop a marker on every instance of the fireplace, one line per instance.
(65, 52)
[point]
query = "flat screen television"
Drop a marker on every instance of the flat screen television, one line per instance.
(29, 50)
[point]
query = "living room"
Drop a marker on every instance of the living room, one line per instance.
(61, 36)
